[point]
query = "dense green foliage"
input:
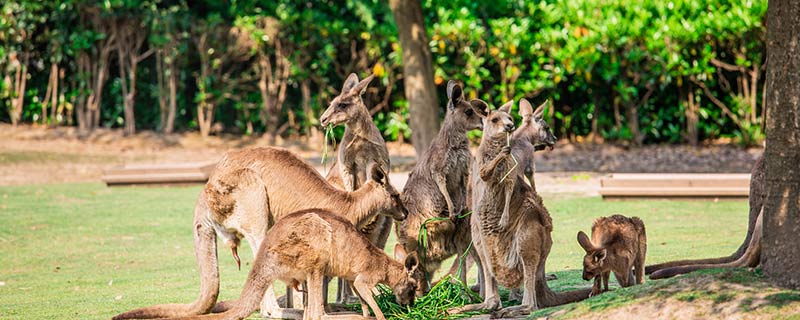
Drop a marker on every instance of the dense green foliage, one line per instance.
(641, 71)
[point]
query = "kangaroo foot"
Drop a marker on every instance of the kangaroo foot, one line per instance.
(512, 312)
(283, 313)
(486, 305)
(344, 316)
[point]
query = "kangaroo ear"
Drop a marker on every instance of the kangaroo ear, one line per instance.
(361, 87)
(600, 255)
(454, 91)
(584, 241)
(525, 108)
(506, 107)
(377, 174)
(411, 261)
(400, 252)
(480, 106)
(350, 83)
(539, 112)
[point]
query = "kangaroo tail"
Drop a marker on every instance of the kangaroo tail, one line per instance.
(750, 258)
(206, 251)
(757, 193)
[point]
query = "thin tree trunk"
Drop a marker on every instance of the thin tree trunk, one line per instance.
(690, 109)
(173, 96)
(20, 82)
(417, 72)
(781, 244)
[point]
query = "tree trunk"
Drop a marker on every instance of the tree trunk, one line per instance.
(20, 81)
(690, 109)
(417, 72)
(169, 127)
(781, 245)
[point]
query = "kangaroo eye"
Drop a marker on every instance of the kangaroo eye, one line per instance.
(494, 120)
(469, 112)
(342, 105)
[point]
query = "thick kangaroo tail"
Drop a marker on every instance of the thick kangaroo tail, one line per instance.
(548, 298)
(750, 258)
(205, 245)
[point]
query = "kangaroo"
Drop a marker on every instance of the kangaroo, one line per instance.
(748, 254)
(362, 145)
(310, 244)
(532, 135)
(244, 197)
(435, 187)
(618, 244)
(514, 254)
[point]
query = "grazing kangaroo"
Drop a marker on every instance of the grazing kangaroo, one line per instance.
(618, 244)
(514, 254)
(436, 187)
(532, 135)
(361, 146)
(247, 193)
(749, 252)
(310, 244)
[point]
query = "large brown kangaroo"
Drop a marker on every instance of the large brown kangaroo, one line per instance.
(436, 187)
(310, 244)
(514, 254)
(749, 252)
(532, 135)
(619, 245)
(247, 193)
(361, 146)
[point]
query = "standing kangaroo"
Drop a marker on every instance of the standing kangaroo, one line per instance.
(244, 197)
(532, 135)
(310, 244)
(436, 187)
(514, 254)
(362, 145)
(618, 244)
(749, 252)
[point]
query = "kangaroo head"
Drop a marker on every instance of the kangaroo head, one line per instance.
(536, 129)
(410, 287)
(348, 105)
(391, 204)
(595, 258)
(498, 122)
(467, 114)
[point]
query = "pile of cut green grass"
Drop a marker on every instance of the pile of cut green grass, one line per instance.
(448, 293)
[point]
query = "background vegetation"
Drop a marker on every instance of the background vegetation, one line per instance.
(635, 71)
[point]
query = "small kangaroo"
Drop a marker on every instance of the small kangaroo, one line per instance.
(435, 186)
(532, 135)
(362, 145)
(619, 245)
(310, 244)
(515, 254)
(247, 193)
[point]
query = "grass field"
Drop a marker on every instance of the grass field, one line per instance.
(84, 251)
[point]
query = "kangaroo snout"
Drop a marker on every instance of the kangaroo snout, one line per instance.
(509, 127)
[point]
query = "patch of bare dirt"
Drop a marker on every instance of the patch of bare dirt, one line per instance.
(31, 154)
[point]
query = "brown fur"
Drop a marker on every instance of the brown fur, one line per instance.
(744, 255)
(532, 135)
(362, 145)
(515, 254)
(250, 190)
(619, 245)
(435, 187)
(307, 245)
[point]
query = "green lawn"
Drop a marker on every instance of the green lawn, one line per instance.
(86, 251)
